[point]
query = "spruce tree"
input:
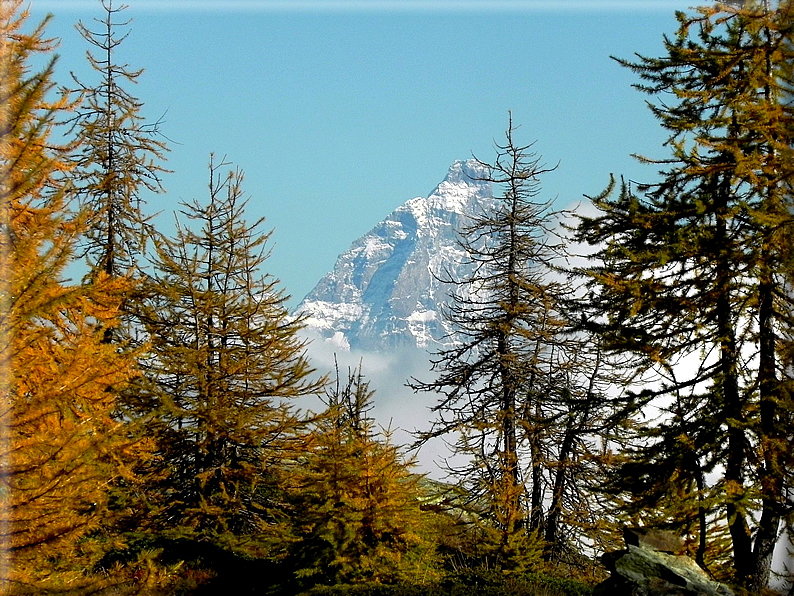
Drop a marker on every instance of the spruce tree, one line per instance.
(224, 363)
(60, 446)
(694, 269)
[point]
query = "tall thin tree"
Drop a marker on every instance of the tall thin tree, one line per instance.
(225, 362)
(507, 316)
(120, 156)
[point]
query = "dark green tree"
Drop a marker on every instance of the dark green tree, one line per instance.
(693, 270)
(116, 165)
(225, 362)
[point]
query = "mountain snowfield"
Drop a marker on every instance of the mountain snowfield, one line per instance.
(384, 292)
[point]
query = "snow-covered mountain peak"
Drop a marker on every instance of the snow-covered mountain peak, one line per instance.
(383, 292)
(464, 183)
(469, 172)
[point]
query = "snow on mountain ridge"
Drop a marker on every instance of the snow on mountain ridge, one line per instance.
(382, 292)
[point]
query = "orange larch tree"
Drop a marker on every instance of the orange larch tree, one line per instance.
(59, 445)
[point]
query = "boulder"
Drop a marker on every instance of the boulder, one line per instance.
(653, 539)
(653, 564)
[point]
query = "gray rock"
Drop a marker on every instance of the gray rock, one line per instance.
(653, 539)
(647, 567)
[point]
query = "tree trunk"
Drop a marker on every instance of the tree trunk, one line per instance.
(732, 403)
(771, 472)
(555, 507)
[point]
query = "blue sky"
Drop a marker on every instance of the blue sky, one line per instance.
(339, 111)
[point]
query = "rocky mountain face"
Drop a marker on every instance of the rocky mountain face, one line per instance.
(383, 292)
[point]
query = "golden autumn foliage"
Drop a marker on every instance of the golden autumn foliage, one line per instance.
(355, 504)
(224, 362)
(150, 436)
(60, 446)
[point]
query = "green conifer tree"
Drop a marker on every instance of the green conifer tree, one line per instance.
(117, 161)
(356, 506)
(225, 360)
(508, 387)
(119, 155)
(692, 269)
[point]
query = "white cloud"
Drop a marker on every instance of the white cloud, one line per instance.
(396, 406)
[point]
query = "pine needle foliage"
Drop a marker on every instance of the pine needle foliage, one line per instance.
(224, 362)
(695, 269)
(60, 446)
